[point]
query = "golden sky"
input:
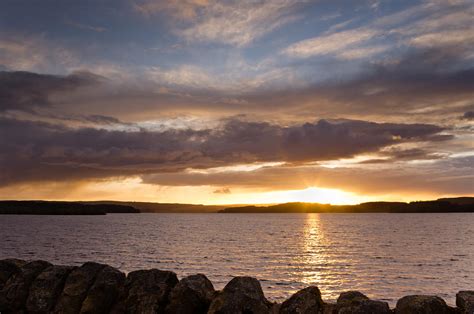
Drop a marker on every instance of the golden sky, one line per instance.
(237, 102)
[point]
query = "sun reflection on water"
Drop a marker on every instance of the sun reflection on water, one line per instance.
(314, 252)
(318, 262)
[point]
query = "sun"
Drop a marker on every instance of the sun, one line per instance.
(322, 195)
(308, 195)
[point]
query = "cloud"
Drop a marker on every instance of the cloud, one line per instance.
(397, 154)
(238, 23)
(428, 25)
(468, 115)
(222, 191)
(423, 85)
(86, 27)
(26, 91)
(184, 10)
(158, 106)
(22, 52)
(331, 43)
(442, 38)
(38, 151)
(359, 53)
(444, 177)
(189, 76)
(431, 85)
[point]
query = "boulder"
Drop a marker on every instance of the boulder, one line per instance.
(193, 294)
(8, 268)
(305, 301)
(421, 304)
(15, 291)
(76, 287)
(366, 307)
(329, 308)
(240, 295)
(465, 301)
(350, 297)
(46, 288)
(354, 302)
(103, 293)
(147, 291)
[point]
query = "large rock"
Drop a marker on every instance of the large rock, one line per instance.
(15, 291)
(330, 308)
(147, 291)
(354, 302)
(305, 301)
(76, 287)
(193, 294)
(46, 288)
(350, 297)
(465, 301)
(8, 268)
(422, 304)
(103, 293)
(366, 307)
(241, 295)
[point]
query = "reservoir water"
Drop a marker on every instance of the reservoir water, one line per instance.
(385, 256)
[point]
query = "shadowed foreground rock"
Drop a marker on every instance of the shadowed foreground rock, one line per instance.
(241, 295)
(40, 287)
(193, 294)
(75, 289)
(422, 304)
(9, 267)
(46, 289)
(307, 300)
(354, 302)
(15, 291)
(104, 292)
(147, 291)
(465, 301)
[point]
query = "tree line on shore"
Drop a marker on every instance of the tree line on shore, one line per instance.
(461, 205)
(61, 208)
(447, 205)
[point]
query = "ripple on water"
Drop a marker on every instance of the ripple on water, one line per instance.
(384, 256)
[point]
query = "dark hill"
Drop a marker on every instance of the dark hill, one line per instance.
(370, 207)
(61, 208)
(149, 207)
(459, 200)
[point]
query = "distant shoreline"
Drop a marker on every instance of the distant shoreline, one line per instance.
(464, 205)
(61, 208)
(444, 205)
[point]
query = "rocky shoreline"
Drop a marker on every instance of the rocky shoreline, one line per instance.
(41, 287)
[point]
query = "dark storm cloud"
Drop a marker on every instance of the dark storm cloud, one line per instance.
(427, 84)
(94, 120)
(423, 85)
(397, 154)
(424, 82)
(26, 91)
(468, 115)
(35, 151)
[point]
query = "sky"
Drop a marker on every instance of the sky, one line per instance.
(220, 102)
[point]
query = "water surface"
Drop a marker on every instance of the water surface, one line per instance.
(385, 256)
